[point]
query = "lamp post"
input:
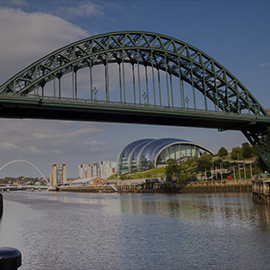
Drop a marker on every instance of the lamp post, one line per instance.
(144, 96)
(187, 101)
(95, 91)
(221, 175)
(239, 171)
(212, 170)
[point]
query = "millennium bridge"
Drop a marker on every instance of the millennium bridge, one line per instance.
(136, 77)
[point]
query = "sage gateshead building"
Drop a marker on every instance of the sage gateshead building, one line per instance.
(146, 154)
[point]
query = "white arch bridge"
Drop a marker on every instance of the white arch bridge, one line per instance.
(27, 162)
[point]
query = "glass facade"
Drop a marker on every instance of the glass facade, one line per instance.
(59, 174)
(146, 154)
(127, 157)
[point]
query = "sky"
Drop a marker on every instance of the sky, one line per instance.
(234, 33)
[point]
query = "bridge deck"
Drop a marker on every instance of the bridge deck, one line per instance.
(85, 110)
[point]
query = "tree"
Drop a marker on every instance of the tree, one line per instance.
(246, 151)
(254, 152)
(204, 162)
(222, 152)
(217, 163)
(237, 153)
(171, 169)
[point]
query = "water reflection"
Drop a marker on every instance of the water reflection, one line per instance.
(137, 231)
(219, 209)
(68, 199)
(262, 213)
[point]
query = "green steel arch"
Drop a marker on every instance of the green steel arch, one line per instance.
(235, 107)
(149, 49)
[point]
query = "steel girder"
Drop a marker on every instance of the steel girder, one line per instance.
(149, 49)
(260, 140)
(165, 53)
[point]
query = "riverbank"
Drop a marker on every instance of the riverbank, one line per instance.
(244, 185)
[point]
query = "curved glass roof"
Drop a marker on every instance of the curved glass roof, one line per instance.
(143, 154)
(152, 148)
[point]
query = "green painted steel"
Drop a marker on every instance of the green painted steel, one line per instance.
(234, 106)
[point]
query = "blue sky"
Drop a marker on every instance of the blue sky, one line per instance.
(235, 33)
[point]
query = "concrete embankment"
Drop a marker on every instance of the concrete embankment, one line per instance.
(219, 186)
(244, 185)
(261, 191)
(1, 206)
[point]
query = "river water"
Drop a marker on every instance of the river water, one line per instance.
(136, 231)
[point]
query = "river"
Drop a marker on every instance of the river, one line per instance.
(136, 231)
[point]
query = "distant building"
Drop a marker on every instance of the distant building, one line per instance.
(90, 181)
(80, 171)
(103, 169)
(93, 169)
(107, 168)
(58, 176)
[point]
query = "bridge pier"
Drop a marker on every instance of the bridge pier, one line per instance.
(261, 191)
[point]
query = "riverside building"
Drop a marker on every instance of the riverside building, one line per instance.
(107, 168)
(93, 169)
(83, 171)
(58, 176)
(146, 154)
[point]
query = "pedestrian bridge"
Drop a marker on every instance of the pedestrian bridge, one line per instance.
(136, 77)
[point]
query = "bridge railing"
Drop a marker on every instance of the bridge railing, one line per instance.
(39, 98)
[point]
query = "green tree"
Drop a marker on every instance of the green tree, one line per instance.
(171, 169)
(254, 152)
(222, 152)
(204, 162)
(246, 151)
(217, 163)
(237, 153)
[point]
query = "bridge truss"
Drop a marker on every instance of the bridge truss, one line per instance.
(157, 78)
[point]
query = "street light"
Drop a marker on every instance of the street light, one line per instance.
(144, 96)
(95, 91)
(187, 101)
(221, 171)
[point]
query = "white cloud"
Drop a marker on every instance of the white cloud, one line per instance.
(30, 36)
(94, 143)
(63, 135)
(47, 137)
(6, 146)
(55, 151)
(83, 10)
(33, 149)
(264, 64)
